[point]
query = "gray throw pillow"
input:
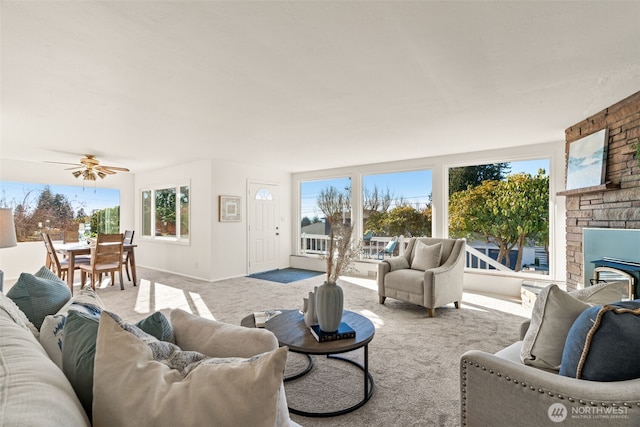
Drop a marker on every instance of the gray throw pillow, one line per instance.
(426, 257)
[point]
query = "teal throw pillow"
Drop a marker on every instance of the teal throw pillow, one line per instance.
(603, 343)
(39, 297)
(78, 352)
(45, 273)
(157, 325)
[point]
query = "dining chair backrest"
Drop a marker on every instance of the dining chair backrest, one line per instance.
(128, 237)
(51, 254)
(70, 236)
(108, 249)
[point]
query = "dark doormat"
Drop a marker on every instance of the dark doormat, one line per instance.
(286, 275)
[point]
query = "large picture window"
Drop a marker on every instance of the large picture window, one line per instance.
(502, 209)
(165, 213)
(314, 228)
(53, 209)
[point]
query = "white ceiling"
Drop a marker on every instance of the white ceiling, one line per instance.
(304, 85)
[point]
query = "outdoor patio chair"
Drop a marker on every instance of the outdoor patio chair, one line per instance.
(389, 249)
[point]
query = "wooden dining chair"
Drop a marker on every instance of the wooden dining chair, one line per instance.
(70, 236)
(128, 239)
(106, 257)
(59, 267)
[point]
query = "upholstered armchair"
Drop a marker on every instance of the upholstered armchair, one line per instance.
(429, 273)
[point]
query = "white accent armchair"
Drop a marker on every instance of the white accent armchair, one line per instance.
(429, 273)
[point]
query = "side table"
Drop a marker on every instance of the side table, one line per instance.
(291, 331)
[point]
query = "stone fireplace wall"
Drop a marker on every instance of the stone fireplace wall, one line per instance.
(615, 204)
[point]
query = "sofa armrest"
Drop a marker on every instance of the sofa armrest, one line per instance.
(495, 391)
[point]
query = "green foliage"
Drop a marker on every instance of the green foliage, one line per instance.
(507, 213)
(465, 177)
(401, 220)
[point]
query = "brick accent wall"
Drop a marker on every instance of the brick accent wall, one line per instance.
(612, 207)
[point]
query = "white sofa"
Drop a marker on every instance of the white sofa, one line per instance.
(34, 391)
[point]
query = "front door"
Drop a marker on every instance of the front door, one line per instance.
(264, 233)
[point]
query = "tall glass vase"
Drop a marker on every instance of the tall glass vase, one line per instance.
(329, 305)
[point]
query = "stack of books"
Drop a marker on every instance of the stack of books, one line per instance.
(344, 332)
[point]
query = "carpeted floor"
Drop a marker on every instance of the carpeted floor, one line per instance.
(285, 275)
(413, 358)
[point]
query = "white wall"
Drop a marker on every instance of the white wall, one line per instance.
(30, 257)
(439, 168)
(217, 250)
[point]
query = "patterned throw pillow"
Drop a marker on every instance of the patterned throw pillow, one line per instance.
(52, 330)
(38, 297)
(45, 273)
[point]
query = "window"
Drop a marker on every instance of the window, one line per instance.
(314, 228)
(502, 209)
(165, 213)
(42, 208)
(398, 203)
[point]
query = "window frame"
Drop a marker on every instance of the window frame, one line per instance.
(177, 239)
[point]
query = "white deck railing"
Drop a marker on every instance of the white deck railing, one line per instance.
(316, 244)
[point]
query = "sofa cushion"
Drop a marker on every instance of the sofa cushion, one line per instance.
(553, 315)
(52, 329)
(33, 391)
(603, 343)
(426, 257)
(78, 352)
(134, 389)
(38, 297)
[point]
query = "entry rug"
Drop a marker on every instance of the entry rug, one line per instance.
(286, 275)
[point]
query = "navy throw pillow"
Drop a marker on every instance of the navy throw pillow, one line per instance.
(603, 343)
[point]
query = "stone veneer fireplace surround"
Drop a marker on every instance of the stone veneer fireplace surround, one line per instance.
(616, 203)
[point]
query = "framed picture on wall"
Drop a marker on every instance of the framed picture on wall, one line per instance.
(229, 208)
(587, 162)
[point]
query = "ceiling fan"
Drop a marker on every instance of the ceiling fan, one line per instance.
(91, 167)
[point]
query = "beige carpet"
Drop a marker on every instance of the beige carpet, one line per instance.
(413, 358)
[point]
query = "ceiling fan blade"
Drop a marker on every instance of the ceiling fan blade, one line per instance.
(115, 168)
(104, 169)
(63, 163)
(74, 168)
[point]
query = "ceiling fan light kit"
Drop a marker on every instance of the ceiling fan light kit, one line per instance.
(92, 167)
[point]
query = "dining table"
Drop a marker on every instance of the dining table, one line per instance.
(74, 250)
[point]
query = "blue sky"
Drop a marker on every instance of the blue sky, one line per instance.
(88, 197)
(414, 186)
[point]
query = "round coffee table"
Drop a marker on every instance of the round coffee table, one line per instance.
(291, 331)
